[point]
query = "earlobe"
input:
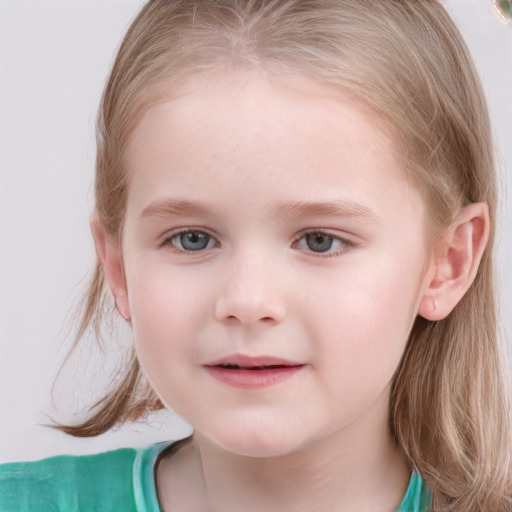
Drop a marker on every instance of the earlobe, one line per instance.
(110, 256)
(454, 267)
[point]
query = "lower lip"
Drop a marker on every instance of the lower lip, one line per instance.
(253, 379)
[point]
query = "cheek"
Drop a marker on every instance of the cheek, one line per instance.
(166, 317)
(366, 315)
(166, 300)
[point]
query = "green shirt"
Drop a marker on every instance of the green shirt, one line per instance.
(117, 481)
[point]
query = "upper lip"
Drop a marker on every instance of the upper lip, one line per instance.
(245, 361)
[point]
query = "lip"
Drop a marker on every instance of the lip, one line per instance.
(248, 372)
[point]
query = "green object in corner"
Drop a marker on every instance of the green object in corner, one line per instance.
(115, 481)
(506, 7)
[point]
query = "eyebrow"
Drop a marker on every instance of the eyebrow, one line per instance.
(284, 211)
(345, 209)
(177, 207)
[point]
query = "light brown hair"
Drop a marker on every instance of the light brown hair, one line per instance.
(406, 62)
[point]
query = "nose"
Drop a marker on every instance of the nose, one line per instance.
(251, 294)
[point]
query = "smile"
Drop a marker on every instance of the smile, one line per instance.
(252, 372)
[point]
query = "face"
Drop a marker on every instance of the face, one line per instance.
(274, 255)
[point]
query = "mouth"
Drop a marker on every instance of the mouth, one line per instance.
(252, 372)
(231, 366)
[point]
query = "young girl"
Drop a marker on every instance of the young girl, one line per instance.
(295, 211)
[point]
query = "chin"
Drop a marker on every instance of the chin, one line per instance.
(261, 441)
(261, 449)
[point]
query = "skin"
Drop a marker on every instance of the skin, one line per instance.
(249, 160)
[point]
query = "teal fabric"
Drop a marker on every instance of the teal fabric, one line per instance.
(417, 498)
(117, 481)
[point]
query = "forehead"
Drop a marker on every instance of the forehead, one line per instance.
(311, 139)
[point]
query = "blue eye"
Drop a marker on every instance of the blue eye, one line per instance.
(320, 242)
(192, 241)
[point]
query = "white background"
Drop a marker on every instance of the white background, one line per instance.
(54, 58)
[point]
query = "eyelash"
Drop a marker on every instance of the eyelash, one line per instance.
(343, 242)
(174, 235)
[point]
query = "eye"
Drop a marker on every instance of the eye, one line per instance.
(191, 241)
(321, 242)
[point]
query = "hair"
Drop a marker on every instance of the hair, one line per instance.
(406, 62)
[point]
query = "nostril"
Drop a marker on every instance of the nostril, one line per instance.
(233, 308)
(235, 318)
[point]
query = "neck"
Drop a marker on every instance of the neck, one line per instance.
(356, 468)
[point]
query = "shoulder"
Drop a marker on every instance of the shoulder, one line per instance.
(111, 481)
(417, 497)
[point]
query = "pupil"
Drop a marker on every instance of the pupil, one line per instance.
(318, 242)
(194, 241)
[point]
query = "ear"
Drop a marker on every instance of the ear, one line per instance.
(455, 263)
(110, 256)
